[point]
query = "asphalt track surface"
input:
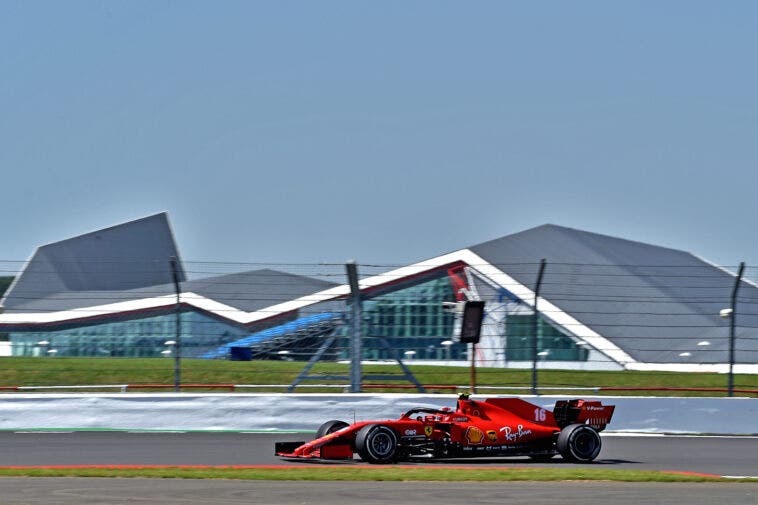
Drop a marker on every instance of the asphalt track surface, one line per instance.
(716, 455)
(737, 456)
(67, 491)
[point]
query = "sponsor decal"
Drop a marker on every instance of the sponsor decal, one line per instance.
(474, 435)
(510, 448)
(492, 435)
(460, 419)
(410, 432)
(592, 407)
(428, 430)
(511, 434)
(596, 421)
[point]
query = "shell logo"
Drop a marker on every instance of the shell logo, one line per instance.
(474, 435)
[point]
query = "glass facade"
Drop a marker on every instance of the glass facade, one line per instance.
(411, 319)
(554, 345)
(143, 337)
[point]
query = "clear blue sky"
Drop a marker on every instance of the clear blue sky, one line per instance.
(382, 131)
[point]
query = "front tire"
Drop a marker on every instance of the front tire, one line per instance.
(579, 443)
(376, 443)
(330, 427)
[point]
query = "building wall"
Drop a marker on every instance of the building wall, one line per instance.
(552, 344)
(143, 337)
(412, 322)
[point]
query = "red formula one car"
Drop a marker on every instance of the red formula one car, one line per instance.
(493, 427)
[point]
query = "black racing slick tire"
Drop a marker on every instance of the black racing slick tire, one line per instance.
(330, 427)
(579, 443)
(376, 443)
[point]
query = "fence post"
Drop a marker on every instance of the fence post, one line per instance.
(732, 327)
(177, 326)
(535, 325)
(355, 324)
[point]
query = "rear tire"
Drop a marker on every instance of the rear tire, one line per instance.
(579, 443)
(330, 427)
(376, 443)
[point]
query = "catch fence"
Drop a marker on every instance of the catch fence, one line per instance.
(596, 325)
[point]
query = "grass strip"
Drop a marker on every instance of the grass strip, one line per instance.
(391, 473)
(19, 371)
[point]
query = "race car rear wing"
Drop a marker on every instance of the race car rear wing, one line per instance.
(592, 413)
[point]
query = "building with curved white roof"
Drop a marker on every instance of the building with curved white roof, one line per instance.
(605, 302)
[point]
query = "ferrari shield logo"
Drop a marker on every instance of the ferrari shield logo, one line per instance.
(428, 430)
(492, 435)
